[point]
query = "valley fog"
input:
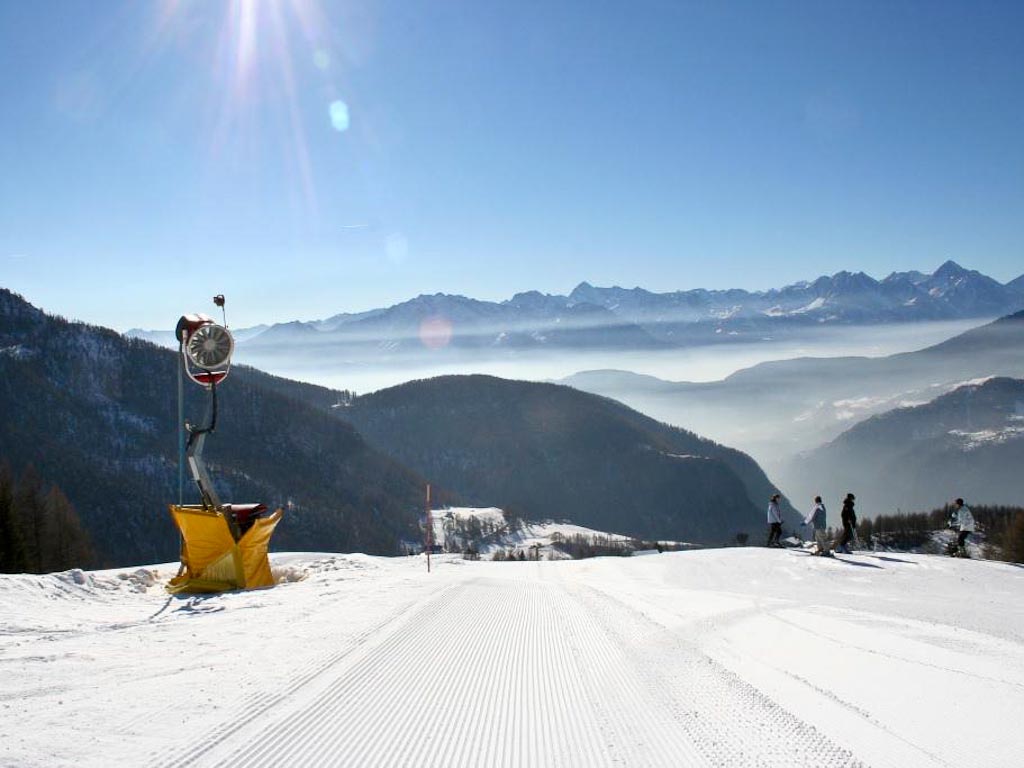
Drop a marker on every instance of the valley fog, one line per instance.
(694, 364)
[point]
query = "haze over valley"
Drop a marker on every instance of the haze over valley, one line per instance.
(777, 411)
(707, 362)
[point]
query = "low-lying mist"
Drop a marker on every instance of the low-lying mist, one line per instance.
(700, 363)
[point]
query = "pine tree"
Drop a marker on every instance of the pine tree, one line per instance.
(1013, 543)
(46, 532)
(12, 548)
(68, 544)
(31, 517)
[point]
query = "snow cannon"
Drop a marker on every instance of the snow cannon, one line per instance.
(205, 347)
(223, 546)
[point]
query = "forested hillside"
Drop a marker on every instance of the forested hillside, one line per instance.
(1000, 529)
(96, 414)
(548, 451)
(40, 531)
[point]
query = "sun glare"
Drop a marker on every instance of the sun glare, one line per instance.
(240, 31)
(263, 55)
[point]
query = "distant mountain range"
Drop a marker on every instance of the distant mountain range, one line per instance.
(95, 412)
(967, 443)
(618, 318)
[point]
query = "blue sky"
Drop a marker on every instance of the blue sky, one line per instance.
(307, 158)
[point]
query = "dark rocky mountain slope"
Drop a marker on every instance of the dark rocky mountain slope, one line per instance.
(967, 443)
(547, 451)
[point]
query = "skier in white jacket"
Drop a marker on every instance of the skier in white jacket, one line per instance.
(964, 521)
(774, 521)
(816, 519)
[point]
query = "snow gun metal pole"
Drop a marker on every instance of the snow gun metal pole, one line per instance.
(430, 529)
(194, 452)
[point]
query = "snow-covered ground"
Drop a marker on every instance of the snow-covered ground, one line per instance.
(543, 533)
(712, 657)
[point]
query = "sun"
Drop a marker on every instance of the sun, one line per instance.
(260, 52)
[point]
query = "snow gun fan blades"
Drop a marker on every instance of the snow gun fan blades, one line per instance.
(223, 546)
(206, 349)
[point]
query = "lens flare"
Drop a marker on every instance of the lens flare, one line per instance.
(435, 332)
(339, 115)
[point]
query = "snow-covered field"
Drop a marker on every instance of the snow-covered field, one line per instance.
(713, 657)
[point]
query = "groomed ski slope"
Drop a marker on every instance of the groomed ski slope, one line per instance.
(714, 657)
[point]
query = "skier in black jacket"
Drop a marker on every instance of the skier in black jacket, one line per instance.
(849, 518)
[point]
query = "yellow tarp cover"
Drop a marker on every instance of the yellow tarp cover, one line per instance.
(212, 561)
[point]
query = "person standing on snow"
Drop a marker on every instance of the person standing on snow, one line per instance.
(964, 521)
(774, 521)
(849, 518)
(816, 519)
